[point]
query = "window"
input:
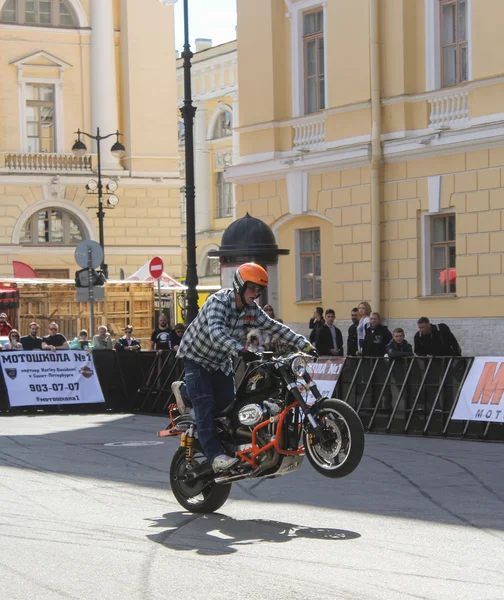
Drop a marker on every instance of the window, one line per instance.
(309, 260)
(313, 42)
(454, 44)
(51, 226)
(40, 130)
(443, 254)
(224, 125)
(224, 191)
(181, 132)
(212, 268)
(45, 13)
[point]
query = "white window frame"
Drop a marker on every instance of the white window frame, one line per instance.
(218, 205)
(80, 13)
(222, 108)
(433, 45)
(427, 250)
(296, 12)
(297, 250)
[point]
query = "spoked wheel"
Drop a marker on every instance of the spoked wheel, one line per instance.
(201, 496)
(341, 445)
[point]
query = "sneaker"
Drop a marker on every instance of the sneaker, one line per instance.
(175, 387)
(223, 462)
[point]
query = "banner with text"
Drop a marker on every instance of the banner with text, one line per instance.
(325, 373)
(42, 378)
(481, 395)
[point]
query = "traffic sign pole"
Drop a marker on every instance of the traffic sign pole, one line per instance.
(156, 267)
(91, 295)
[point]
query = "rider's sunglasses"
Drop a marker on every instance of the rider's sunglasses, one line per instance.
(257, 289)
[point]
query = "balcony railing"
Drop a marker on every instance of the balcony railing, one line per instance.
(47, 163)
(449, 109)
(310, 133)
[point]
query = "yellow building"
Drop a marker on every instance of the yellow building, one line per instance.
(372, 142)
(69, 64)
(216, 147)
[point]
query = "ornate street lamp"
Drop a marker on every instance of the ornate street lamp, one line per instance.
(79, 149)
(188, 111)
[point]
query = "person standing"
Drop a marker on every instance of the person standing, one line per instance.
(377, 337)
(315, 322)
(32, 341)
(13, 343)
(364, 310)
(435, 340)
(127, 342)
(176, 336)
(82, 342)
(54, 341)
(5, 326)
(160, 338)
(102, 340)
(329, 341)
(352, 343)
(398, 347)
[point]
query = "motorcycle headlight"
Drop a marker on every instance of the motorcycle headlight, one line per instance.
(298, 366)
(250, 415)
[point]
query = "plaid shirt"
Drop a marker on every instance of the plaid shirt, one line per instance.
(220, 331)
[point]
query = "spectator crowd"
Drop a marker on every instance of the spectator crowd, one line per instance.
(367, 336)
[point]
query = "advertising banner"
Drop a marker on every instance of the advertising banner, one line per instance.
(325, 374)
(481, 395)
(42, 378)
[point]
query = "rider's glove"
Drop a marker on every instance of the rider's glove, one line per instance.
(248, 356)
(309, 349)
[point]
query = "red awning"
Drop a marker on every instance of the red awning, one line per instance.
(22, 270)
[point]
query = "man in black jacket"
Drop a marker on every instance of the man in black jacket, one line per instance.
(315, 322)
(377, 337)
(435, 340)
(375, 345)
(328, 340)
(352, 343)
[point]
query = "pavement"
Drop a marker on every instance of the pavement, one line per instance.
(86, 513)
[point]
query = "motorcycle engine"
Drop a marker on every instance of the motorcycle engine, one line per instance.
(250, 415)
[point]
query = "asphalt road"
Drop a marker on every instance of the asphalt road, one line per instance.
(84, 516)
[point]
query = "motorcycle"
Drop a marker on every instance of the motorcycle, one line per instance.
(271, 428)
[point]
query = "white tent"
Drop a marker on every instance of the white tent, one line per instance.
(143, 275)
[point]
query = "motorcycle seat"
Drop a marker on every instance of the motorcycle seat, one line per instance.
(227, 412)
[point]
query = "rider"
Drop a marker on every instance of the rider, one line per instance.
(218, 333)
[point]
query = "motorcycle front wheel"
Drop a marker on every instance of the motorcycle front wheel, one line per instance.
(339, 450)
(200, 496)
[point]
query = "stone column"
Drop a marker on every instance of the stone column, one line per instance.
(104, 111)
(203, 173)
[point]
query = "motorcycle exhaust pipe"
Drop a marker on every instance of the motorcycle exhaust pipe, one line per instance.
(199, 472)
(232, 478)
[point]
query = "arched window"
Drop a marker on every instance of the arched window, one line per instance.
(224, 125)
(45, 13)
(212, 268)
(51, 226)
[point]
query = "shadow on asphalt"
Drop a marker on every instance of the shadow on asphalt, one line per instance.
(216, 534)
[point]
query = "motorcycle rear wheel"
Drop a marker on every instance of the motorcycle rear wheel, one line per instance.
(201, 496)
(341, 452)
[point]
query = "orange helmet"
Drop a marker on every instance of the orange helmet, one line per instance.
(249, 273)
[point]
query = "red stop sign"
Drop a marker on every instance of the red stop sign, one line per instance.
(156, 267)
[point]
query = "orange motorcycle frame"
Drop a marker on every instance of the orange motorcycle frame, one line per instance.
(250, 455)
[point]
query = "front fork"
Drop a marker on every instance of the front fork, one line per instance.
(313, 428)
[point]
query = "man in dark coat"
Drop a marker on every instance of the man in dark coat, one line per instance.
(435, 340)
(329, 341)
(315, 322)
(377, 337)
(352, 343)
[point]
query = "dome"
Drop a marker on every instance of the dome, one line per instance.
(249, 238)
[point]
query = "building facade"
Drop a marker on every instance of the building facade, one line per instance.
(372, 142)
(86, 64)
(216, 147)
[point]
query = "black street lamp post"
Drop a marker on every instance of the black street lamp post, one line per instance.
(93, 187)
(188, 111)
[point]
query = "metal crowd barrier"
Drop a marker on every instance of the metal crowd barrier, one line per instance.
(411, 395)
(402, 396)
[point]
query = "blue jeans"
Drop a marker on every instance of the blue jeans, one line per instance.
(209, 393)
